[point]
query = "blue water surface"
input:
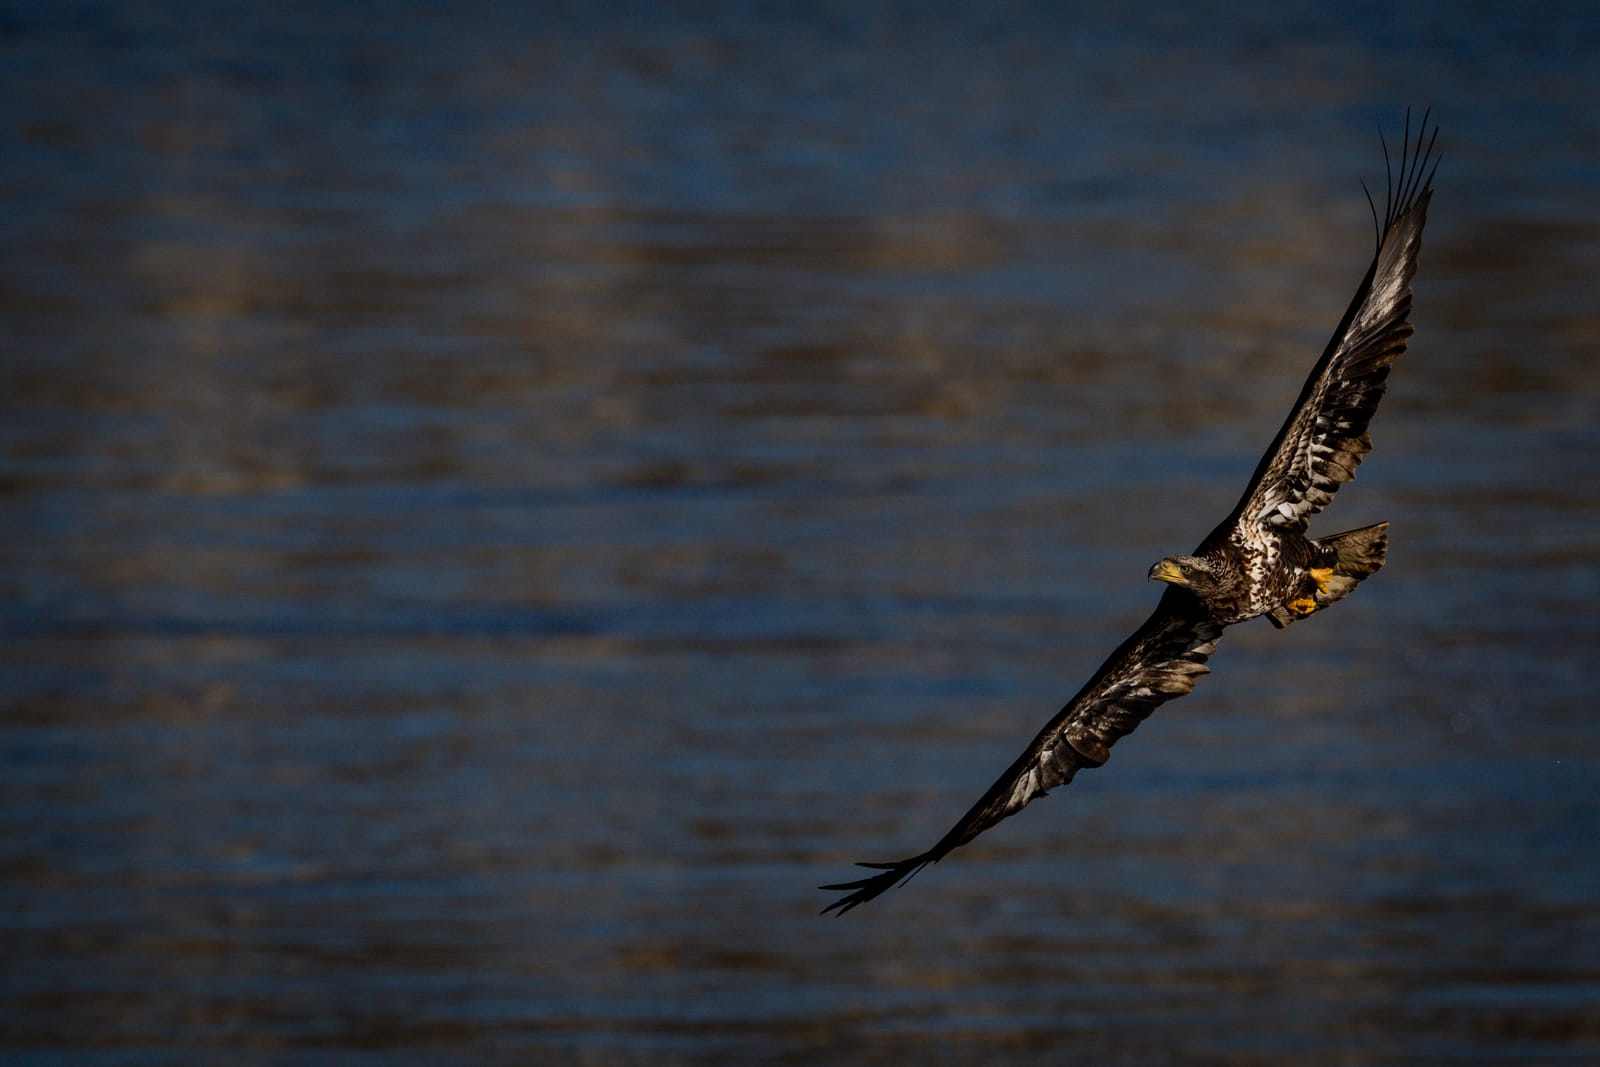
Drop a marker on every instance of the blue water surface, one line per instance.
(497, 503)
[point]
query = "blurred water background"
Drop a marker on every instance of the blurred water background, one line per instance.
(499, 503)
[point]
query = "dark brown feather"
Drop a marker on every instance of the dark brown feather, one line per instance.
(1325, 436)
(1159, 662)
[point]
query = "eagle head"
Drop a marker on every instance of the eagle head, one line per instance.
(1195, 573)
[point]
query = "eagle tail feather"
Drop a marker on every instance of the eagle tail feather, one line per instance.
(1361, 552)
(1358, 554)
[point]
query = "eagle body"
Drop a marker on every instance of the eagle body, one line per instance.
(1259, 561)
(1243, 573)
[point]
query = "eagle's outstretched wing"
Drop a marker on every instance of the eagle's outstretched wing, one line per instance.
(1315, 452)
(1325, 436)
(1160, 662)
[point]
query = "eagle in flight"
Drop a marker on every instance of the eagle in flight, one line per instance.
(1258, 561)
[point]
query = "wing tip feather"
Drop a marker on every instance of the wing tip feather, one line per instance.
(864, 889)
(1409, 189)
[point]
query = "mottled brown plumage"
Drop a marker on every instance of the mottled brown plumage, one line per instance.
(1258, 561)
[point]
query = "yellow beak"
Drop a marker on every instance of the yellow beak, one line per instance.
(1167, 571)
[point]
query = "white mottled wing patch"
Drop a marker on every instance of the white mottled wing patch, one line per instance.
(1325, 436)
(1160, 662)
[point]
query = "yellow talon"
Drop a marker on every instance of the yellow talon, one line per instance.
(1320, 575)
(1304, 606)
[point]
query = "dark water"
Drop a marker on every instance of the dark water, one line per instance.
(497, 507)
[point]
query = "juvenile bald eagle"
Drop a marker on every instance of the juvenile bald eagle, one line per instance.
(1258, 561)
